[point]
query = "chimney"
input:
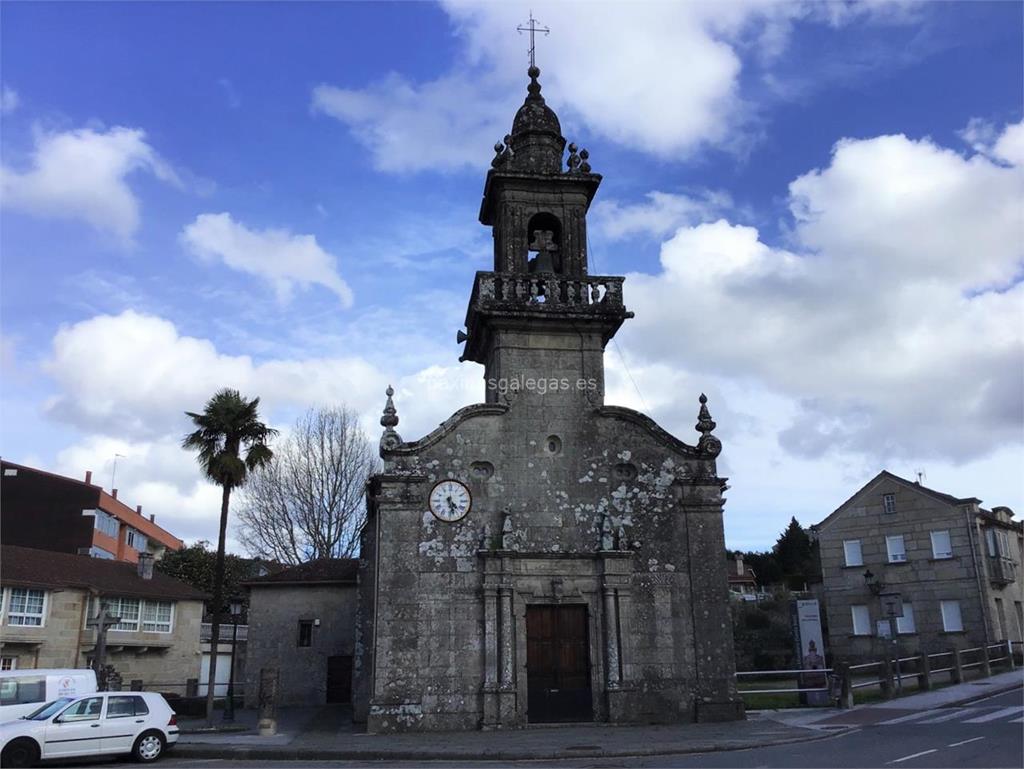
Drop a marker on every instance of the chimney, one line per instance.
(145, 565)
(152, 517)
(113, 493)
(88, 476)
(138, 509)
(740, 570)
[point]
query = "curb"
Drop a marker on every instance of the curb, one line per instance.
(236, 753)
(983, 695)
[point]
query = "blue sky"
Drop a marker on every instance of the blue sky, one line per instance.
(817, 207)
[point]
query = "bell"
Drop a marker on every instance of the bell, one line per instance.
(542, 262)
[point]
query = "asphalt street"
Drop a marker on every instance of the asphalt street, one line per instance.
(986, 733)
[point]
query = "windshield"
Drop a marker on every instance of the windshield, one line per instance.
(49, 709)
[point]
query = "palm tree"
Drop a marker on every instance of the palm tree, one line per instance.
(228, 428)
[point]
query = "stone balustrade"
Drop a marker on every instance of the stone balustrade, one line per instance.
(548, 291)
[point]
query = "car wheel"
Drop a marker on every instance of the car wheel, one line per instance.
(148, 747)
(20, 753)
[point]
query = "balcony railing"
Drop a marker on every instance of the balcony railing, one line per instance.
(1002, 570)
(548, 291)
(226, 630)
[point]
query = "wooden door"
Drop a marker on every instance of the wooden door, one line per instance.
(558, 664)
(339, 679)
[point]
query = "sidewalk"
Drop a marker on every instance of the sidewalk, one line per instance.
(946, 697)
(310, 734)
(327, 733)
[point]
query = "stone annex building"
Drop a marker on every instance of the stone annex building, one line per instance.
(542, 556)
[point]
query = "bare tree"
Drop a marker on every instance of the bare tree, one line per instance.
(309, 501)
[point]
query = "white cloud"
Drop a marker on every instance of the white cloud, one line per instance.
(83, 175)
(411, 128)
(126, 381)
(9, 100)
(661, 214)
(893, 324)
(132, 376)
(676, 64)
(283, 259)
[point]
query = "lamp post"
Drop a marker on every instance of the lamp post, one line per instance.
(893, 605)
(229, 705)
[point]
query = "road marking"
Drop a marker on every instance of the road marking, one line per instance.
(1017, 721)
(963, 742)
(948, 716)
(904, 719)
(1001, 713)
(913, 755)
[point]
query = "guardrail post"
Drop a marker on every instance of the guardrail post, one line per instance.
(192, 687)
(924, 672)
(1009, 654)
(845, 698)
(957, 673)
(886, 678)
(986, 664)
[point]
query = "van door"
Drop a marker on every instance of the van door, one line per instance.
(76, 731)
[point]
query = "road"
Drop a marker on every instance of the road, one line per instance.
(988, 733)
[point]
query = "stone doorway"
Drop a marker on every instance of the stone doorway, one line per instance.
(558, 664)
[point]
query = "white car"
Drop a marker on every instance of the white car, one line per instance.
(102, 724)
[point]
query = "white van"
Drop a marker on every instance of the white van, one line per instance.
(22, 691)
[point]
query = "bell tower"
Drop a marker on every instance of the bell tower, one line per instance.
(539, 314)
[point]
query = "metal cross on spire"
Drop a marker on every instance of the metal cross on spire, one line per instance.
(532, 28)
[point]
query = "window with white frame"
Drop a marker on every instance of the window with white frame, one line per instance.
(861, 620)
(896, 549)
(136, 540)
(889, 503)
(951, 621)
(26, 607)
(107, 523)
(905, 624)
(941, 545)
(852, 552)
(125, 608)
(998, 542)
(156, 616)
(99, 552)
(8, 663)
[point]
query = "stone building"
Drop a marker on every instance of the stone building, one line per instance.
(302, 622)
(954, 566)
(49, 598)
(542, 556)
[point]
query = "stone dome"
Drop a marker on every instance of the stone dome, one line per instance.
(536, 140)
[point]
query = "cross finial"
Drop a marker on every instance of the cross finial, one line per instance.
(533, 29)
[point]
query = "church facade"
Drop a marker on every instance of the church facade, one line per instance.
(542, 556)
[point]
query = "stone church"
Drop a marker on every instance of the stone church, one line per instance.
(542, 556)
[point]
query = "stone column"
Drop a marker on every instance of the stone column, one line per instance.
(507, 662)
(714, 694)
(490, 598)
(507, 714)
(611, 634)
(490, 637)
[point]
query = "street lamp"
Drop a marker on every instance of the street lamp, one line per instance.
(229, 706)
(875, 585)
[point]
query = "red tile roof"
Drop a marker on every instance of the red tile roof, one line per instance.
(26, 567)
(337, 570)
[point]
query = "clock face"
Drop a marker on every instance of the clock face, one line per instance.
(450, 501)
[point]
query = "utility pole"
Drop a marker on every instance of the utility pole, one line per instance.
(102, 622)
